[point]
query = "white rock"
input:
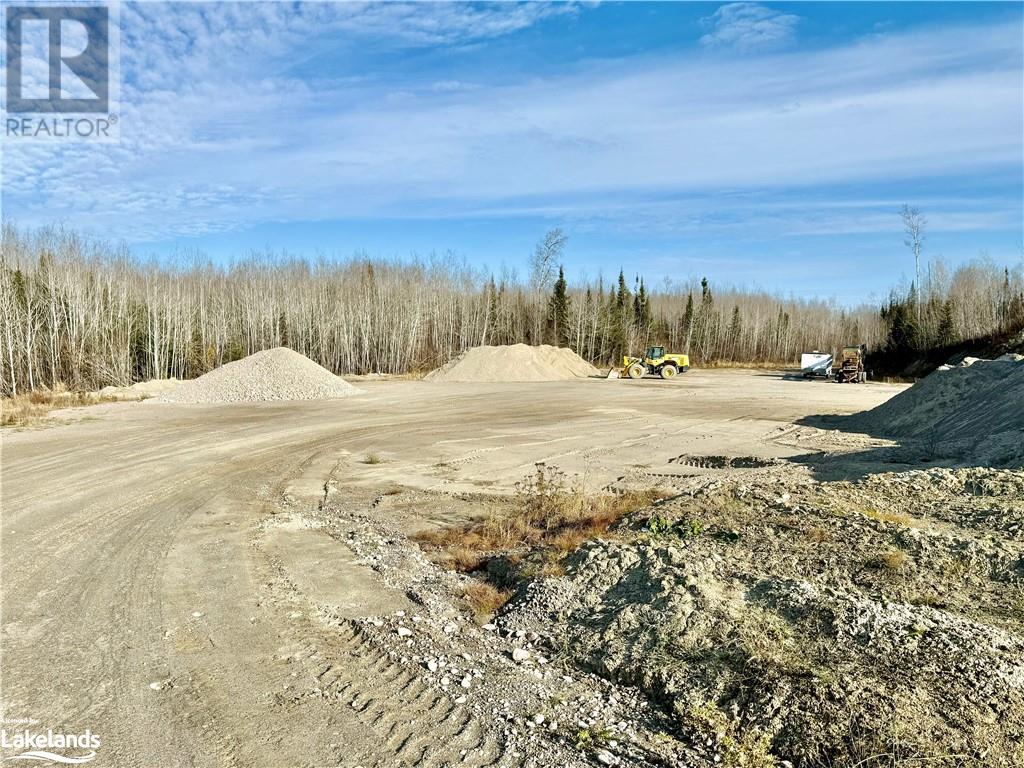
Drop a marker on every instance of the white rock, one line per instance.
(606, 758)
(403, 631)
(197, 614)
(460, 699)
(520, 654)
(539, 719)
(451, 628)
(432, 665)
(488, 627)
(156, 686)
(467, 681)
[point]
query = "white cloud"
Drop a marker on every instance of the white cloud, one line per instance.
(748, 26)
(219, 128)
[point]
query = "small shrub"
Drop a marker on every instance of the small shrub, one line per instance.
(484, 599)
(689, 529)
(592, 738)
(372, 458)
(658, 526)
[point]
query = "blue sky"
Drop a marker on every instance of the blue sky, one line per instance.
(767, 144)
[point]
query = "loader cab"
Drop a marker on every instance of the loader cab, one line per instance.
(655, 353)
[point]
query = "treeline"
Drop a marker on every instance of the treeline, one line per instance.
(79, 313)
(972, 310)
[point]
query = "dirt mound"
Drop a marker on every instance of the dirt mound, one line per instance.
(774, 630)
(968, 405)
(274, 374)
(517, 362)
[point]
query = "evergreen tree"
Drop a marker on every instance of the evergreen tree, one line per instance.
(735, 331)
(623, 296)
(686, 327)
(946, 334)
(620, 318)
(641, 308)
(903, 338)
(558, 311)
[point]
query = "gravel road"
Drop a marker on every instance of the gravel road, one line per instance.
(147, 598)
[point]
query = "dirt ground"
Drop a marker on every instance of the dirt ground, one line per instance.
(190, 582)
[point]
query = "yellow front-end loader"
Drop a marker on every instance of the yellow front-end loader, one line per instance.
(656, 362)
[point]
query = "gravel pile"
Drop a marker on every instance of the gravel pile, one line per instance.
(516, 362)
(975, 410)
(274, 374)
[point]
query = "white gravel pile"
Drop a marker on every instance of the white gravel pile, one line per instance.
(972, 412)
(274, 374)
(516, 362)
(972, 400)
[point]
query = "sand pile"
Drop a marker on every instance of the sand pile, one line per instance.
(517, 362)
(274, 374)
(976, 403)
(142, 389)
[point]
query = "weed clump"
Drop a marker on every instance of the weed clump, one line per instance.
(28, 408)
(890, 560)
(548, 512)
(484, 599)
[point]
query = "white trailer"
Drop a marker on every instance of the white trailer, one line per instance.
(815, 364)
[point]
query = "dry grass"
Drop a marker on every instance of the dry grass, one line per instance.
(891, 560)
(484, 599)
(459, 558)
(32, 407)
(372, 458)
(548, 513)
(748, 365)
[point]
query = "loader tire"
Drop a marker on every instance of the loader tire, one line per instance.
(636, 371)
(668, 372)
